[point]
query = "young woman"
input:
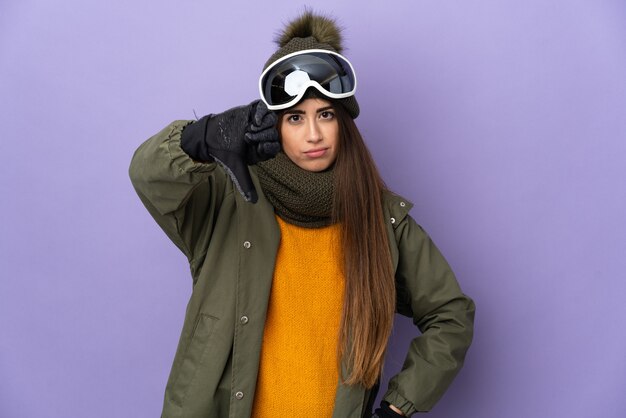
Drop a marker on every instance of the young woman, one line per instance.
(299, 254)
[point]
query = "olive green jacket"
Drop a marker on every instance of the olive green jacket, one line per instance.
(231, 246)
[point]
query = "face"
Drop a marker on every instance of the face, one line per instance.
(310, 134)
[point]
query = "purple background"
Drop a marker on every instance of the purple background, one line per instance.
(504, 121)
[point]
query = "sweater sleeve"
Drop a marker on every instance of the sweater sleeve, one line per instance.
(182, 195)
(429, 293)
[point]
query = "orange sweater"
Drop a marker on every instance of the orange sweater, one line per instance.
(298, 369)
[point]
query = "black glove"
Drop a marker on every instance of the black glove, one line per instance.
(236, 138)
(385, 412)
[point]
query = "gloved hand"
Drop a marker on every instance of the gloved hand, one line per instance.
(386, 412)
(236, 138)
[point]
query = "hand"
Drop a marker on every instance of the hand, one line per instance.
(387, 410)
(236, 138)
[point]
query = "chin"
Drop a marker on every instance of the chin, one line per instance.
(316, 168)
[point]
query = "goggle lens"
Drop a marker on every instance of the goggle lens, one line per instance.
(284, 81)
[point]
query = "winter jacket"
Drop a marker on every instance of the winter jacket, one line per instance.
(231, 246)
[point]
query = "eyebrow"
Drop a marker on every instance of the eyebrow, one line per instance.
(302, 112)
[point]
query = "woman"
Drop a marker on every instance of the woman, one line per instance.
(299, 254)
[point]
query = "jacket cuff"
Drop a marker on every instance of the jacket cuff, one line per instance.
(400, 402)
(179, 157)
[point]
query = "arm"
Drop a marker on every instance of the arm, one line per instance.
(180, 193)
(429, 293)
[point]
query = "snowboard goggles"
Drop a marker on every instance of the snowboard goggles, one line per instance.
(285, 81)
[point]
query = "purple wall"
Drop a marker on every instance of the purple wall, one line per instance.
(505, 123)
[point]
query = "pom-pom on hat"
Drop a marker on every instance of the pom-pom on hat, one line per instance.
(312, 31)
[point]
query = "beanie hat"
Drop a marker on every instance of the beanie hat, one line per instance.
(311, 31)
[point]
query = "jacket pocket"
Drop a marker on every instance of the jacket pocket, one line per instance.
(192, 359)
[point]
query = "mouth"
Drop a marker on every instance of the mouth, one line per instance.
(316, 153)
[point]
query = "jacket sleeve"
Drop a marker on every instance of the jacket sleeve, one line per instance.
(428, 292)
(182, 195)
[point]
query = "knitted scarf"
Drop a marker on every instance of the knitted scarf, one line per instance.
(300, 197)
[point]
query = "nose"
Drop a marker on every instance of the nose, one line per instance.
(314, 132)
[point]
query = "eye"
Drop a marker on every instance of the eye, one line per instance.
(294, 118)
(327, 114)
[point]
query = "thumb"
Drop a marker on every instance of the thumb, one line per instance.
(239, 173)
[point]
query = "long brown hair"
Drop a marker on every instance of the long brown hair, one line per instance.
(370, 295)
